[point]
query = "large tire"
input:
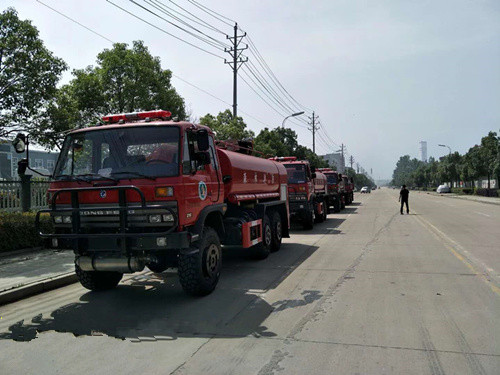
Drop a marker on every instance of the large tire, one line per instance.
(98, 280)
(276, 231)
(263, 248)
(336, 204)
(342, 203)
(308, 222)
(199, 272)
(319, 218)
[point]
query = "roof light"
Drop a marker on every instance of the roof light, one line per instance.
(127, 117)
(284, 158)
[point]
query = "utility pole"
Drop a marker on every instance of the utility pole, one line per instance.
(352, 160)
(343, 160)
(357, 168)
(313, 129)
(237, 61)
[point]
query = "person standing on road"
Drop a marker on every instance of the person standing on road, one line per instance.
(403, 198)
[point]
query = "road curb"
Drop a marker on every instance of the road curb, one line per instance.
(42, 286)
(464, 198)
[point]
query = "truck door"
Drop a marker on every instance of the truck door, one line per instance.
(201, 186)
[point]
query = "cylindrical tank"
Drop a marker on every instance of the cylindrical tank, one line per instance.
(249, 174)
(319, 183)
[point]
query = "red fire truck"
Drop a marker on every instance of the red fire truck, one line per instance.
(307, 191)
(143, 190)
(333, 198)
(349, 189)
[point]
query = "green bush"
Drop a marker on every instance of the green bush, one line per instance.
(463, 191)
(17, 230)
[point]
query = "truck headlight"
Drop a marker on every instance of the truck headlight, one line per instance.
(58, 219)
(155, 219)
(168, 217)
(67, 219)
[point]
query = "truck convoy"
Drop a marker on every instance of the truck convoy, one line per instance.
(307, 191)
(142, 190)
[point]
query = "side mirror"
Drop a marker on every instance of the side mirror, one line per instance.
(20, 143)
(202, 157)
(313, 175)
(202, 140)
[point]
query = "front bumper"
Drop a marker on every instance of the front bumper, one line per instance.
(124, 228)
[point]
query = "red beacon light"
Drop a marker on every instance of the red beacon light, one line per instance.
(284, 158)
(135, 116)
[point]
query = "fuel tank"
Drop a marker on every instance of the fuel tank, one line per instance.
(246, 174)
(319, 182)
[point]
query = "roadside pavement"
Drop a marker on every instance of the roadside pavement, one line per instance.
(473, 198)
(27, 273)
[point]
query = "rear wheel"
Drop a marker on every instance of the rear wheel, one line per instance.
(336, 205)
(276, 231)
(199, 272)
(342, 203)
(98, 280)
(309, 220)
(263, 248)
(320, 217)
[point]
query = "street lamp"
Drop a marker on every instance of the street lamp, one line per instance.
(295, 114)
(446, 146)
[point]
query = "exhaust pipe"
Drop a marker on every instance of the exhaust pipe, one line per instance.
(122, 264)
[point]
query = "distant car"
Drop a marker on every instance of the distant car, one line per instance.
(443, 189)
(365, 189)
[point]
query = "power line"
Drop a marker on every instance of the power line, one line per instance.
(166, 10)
(164, 31)
(216, 44)
(193, 18)
(255, 51)
(213, 13)
(71, 19)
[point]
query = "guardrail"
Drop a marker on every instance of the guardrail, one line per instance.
(23, 195)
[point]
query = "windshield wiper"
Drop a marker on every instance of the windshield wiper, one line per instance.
(73, 177)
(138, 174)
(96, 175)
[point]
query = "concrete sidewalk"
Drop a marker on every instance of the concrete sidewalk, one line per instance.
(474, 198)
(28, 273)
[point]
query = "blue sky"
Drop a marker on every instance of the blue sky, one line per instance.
(382, 75)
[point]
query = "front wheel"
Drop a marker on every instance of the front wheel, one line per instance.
(98, 280)
(309, 220)
(336, 205)
(199, 272)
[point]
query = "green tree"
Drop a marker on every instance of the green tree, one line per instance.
(124, 80)
(405, 166)
(29, 73)
(489, 155)
(226, 127)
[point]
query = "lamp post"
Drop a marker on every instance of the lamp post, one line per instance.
(293, 115)
(446, 146)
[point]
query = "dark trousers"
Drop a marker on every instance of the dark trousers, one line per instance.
(403, 201)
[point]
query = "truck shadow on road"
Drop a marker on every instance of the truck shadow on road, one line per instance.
(151, 307)
(328, 226)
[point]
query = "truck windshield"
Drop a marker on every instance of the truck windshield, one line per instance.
(296, 173)
(133, 152)
(331, 178)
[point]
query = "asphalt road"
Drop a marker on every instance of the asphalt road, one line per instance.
(367, 292)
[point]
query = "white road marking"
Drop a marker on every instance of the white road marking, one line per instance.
(480, 213)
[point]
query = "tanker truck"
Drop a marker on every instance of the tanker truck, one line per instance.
(143, 190)
(306, 190)
(333, 198)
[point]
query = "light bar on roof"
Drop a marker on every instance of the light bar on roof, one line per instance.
(161, 114)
